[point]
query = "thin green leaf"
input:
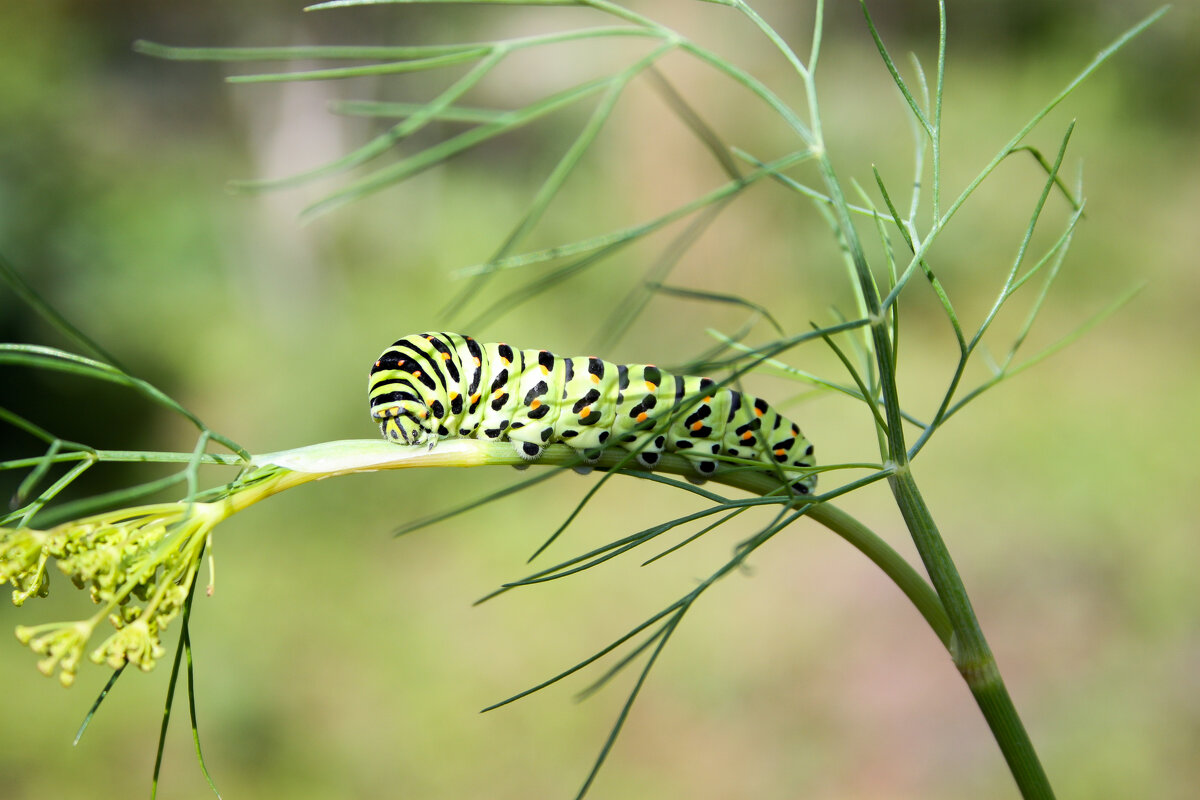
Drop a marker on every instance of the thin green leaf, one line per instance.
(694, 122)
(1103, 56)
(531, 289)
(378, 108)
(918, 114)
(1014, 270)
(36, 431)
(773, 36)
(617, 547)
(507, 491)
(102, 502)
(1075, 202)
(635, 231)
(37, 473)
(823, 200)
(586, 662)
(626, 311)
(918, 135)
(938, 289)
(302, 52)
(803, 375)
(432, 156)
(627, 659)
(383, 142)
(1010, 285)
(571, 517)
(863, 348)
(25, 514)
(124, 456)
(1069, 339)
(340, 73)
(814, 53)
(718, 297)
(87, 719)
(558, 176)
(712, 526)
(191, 691)
(51, 358)
(171, 683)
(880, 424)
(686, 486)
(1058, 254)
(936, 144)
(349, 3)
(192, 471)
(162, 731)
(663, 636)
(23, 290)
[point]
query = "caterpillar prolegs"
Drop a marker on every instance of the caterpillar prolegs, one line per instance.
(432, 386)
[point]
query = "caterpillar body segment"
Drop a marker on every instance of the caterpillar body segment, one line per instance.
(432, 386)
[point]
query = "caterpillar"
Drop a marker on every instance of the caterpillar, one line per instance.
(432, 386)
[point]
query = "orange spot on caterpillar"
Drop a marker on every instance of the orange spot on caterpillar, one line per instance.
(377, 363)
(642, 417)
(536, 403)
(475, 397)
(445, 356)
(543, 369)
(758, 412)
(453, 395)
(708, 399)
(476, 360)
(498, 393)
(781, 452)
(416, 373)
(698, 424)
(653, 387)
(595, 378)
(586, 411)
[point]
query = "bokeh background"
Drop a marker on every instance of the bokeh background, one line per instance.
(335, 661)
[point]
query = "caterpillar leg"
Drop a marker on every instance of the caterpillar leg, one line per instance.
(647, 448)
(705, 466)
(528, 450)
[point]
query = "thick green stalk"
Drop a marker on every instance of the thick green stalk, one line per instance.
(969, 648)
(340, 458)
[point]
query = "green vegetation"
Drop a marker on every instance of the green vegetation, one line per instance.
(908, 286)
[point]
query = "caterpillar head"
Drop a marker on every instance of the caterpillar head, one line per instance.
(404, 421)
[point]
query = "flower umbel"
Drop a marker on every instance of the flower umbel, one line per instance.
(149, 553)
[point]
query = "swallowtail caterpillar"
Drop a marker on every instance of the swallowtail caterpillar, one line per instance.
(433, 386)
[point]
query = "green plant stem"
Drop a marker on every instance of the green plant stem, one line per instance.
(340, 458)
(969, 648)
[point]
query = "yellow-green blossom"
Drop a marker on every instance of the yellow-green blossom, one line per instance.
(138, 564)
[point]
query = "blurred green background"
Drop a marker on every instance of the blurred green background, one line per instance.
(334, 661)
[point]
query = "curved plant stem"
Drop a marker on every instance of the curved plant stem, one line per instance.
(969, 648)
(315, 462)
